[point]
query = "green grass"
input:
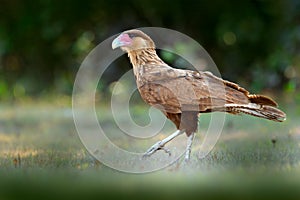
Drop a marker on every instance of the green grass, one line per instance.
(42, 157)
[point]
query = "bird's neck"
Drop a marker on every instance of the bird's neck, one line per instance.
(145, 56)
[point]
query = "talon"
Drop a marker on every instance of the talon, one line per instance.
(157, 146)
(152, 149)
(166, 150)
(160, 145)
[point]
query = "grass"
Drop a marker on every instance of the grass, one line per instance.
(41, 157)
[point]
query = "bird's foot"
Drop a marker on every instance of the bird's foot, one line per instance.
(187, 155)
(189, 147)
(157, 146)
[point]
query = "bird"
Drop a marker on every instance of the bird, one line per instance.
(183, 95)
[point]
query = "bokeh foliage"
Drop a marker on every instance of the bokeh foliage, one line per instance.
(43, 42)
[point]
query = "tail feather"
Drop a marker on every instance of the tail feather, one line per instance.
(262, 100)
(258, 110)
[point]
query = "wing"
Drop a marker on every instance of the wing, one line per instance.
(175, 90)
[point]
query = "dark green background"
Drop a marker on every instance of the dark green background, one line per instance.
(42, 45)
(43, 42)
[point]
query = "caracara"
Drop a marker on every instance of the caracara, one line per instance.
(183, 94)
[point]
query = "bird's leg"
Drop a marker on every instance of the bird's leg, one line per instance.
(189, 147)
(160, 144)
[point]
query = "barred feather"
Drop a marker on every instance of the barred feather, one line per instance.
(263, 111)
(187, 93)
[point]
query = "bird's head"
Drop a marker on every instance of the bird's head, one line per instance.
(133, 40)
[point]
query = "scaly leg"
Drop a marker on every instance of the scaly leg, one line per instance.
(189, 147)
(160, 144)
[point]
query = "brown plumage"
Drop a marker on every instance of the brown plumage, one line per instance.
(183, 94)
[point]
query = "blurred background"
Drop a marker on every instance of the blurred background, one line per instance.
(42, 43)
(255, 43)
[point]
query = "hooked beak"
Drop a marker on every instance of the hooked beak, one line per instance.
(120, 41)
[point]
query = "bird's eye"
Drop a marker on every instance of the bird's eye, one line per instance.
(131, 35)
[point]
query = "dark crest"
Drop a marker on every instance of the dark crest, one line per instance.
(137, 33)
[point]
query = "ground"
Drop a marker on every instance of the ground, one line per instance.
(41, 156)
